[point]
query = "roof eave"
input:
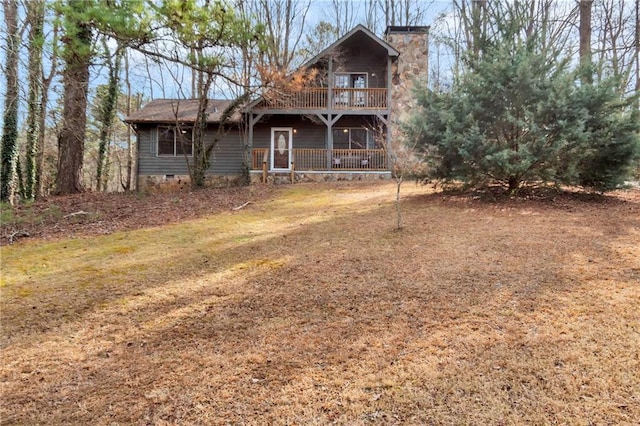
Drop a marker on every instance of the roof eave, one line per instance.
(391, 51)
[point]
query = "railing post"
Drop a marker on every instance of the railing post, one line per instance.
(293, 167)
(265, 157)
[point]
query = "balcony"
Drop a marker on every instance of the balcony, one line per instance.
(325, 159)
(317, 98)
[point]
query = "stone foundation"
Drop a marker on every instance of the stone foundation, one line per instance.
(172, 183)
(281, 178)
(164, 183)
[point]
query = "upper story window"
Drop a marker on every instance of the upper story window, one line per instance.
(175, 142)
(351, 80)
(346, 93)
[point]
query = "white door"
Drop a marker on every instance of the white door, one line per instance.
(281, 146)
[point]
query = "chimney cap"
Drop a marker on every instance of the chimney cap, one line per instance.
(406, 29)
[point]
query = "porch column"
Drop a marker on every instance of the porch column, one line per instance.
(329, 121)
(253, 119)
(329, 105)
(329, 144)
(389, 112)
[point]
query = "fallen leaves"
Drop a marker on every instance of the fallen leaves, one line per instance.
(477, 313)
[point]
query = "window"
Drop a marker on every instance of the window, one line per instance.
(351, 138)
(350, 81)
(344, 93)
(174, 143)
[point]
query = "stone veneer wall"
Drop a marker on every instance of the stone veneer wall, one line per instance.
(256, 177)
(412, 65)
(161, 183)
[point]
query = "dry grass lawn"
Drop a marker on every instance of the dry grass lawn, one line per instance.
(307, 308)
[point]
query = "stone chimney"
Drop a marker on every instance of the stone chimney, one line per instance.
(412, 65)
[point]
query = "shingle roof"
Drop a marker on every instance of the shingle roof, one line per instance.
(182, 110)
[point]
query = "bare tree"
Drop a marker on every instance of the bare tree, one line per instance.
(615, 50)
(35, 20)
(405, 162)
(344, 15)
(47, 80)
(404, 12)
(107, 110)
(127, 183)
(284, 23)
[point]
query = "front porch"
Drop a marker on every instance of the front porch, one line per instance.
(322, 160)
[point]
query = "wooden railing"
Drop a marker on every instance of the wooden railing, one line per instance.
(359, 98)
(359, 159)
(318, 98)
(324, 160)
(310, 98)
(257, 157)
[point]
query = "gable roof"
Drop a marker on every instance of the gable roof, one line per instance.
(391, 51)
(163, 111)
(358, 28)
(181, 110)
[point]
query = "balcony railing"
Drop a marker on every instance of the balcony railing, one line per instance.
(359, 98)
(318, 98)
(324, 159)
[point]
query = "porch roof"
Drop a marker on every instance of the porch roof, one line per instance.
(181, 110)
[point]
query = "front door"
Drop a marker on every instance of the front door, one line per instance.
(281, 146)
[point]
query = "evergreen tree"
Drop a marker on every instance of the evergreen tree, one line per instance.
(126, 21)
(520, 115)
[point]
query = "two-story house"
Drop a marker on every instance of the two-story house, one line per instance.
(339, 128)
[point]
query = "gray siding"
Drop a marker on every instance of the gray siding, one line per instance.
(362, 55)
(307, 133)
(227, 155)
(357, 121)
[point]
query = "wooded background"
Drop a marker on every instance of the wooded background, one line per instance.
(74, 68)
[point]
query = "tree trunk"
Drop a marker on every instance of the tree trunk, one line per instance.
(44, 101)
(10, 128)
(35, 17)
(637, 52)
(127, 184)
(77, 56)
(399, 180)
(585, 41)
(200, 159)
(107, 113)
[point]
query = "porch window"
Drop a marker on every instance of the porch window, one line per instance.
(175, 142)
(344, 92)
(352, 138)
(351, 81)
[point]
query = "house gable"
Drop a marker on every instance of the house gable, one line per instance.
(360, 34)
